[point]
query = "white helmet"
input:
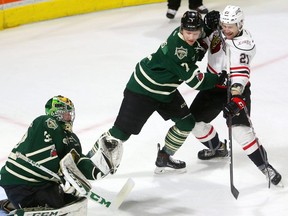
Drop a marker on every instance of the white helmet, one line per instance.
(233, 15)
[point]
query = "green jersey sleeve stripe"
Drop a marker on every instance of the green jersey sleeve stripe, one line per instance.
(15, 163)
(20, 176)
(149, 89)
(47, 159)
(175, 85)
(40, 150)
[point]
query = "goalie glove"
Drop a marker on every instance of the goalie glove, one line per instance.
(236, 104)
(106, 153)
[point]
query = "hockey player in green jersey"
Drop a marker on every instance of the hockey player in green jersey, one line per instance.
(48, 140)
(153, 87)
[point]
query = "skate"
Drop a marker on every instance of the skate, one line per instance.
(221, 152)
(272, 174)
(201, 9)
(166, 164)
(6, 205)
(171, 13)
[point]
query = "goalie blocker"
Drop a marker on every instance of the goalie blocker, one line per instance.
(74, 176)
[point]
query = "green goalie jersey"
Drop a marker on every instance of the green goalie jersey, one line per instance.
(159, 75)
(45, 142)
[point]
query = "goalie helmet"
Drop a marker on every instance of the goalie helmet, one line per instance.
(233, 15)
(61, 108)
(191, 21)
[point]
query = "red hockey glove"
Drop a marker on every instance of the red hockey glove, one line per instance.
(232, 108)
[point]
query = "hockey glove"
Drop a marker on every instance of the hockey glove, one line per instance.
(202, 50)
(212, 19)
(222, 79)
(232, 108)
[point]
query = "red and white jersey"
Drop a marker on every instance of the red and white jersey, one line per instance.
(242, 49)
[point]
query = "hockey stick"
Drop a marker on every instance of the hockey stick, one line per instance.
(92, 194)
(226, 48)
(263, 154)
(234, 190)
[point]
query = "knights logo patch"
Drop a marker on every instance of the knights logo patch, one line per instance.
(181, 52)
(215, 44)
(51, 123)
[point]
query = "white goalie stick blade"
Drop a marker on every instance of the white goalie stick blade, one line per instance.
(112, 201)
(124, 192)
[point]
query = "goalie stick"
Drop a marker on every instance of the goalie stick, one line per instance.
(92, 194)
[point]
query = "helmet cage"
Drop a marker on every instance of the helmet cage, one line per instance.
(61, 108)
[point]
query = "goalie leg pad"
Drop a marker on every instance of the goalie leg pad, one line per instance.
(78, 207)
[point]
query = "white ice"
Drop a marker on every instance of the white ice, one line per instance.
(89, 58)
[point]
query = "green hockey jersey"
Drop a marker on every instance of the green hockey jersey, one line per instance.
(45, 142)
(159, 74)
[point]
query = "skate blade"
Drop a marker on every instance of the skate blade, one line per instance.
(215, 159)
(279, 185)
(168, 170)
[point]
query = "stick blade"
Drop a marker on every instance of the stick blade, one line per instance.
(234, 191)
(124, 192)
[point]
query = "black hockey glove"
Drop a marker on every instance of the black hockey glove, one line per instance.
(211, 20)
(203, 49)
(222, 79)
(232, 108)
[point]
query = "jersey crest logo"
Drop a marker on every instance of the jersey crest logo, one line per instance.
(51, 123)
(181, 52)
(215, 44)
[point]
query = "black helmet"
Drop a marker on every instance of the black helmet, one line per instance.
(191, 21)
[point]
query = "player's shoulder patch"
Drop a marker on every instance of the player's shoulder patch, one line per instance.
(51, 123)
